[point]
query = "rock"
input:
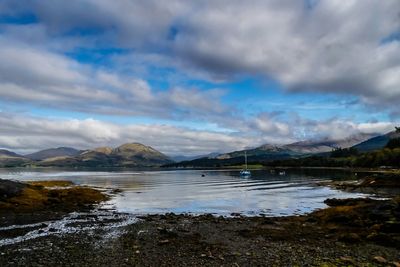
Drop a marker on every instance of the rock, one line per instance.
(380, 259)
(350, 237)
(383, 239)
(391, 227)
(347, 259)
(167, 232)
(163, 242)
(10, 188)
(116, 191)
(333, 202)
(376, 227)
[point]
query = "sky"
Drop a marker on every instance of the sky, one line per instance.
(194, 77)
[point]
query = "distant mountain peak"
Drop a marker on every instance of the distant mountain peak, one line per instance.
(135, 146)
(377, 142)
(11, 159)
(326, 144)
(136, 149)
(137, 153)
(7, 153)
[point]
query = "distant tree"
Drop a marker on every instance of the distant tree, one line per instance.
(397, 129)
(393, 143)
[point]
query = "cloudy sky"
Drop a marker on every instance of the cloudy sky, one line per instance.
(193, 77)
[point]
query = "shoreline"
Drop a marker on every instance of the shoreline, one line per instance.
(350, 232)
(227, 168)
(322, 238)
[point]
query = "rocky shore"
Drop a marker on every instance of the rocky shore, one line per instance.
(350, 232)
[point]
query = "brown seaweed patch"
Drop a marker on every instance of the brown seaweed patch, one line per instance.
(51, 183)
(37, 197)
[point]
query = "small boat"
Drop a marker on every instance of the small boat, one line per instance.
(245, 172)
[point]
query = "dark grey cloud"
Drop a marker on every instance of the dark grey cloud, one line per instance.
(335, 47)
(329, 46)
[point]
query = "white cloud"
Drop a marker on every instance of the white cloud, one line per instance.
(44, 78)
(27, 133)
(337, 129)
(334, 47)
(24, 134)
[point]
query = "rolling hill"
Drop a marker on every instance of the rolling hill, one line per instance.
(137, 154)
(377, 142)
(54, 152)
(11, 159)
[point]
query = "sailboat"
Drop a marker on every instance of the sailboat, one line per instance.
(245, 172)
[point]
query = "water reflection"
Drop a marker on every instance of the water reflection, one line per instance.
(195, 191)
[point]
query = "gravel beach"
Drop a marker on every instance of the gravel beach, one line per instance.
(351, 232)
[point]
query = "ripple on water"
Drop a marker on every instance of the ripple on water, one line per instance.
(220, 191)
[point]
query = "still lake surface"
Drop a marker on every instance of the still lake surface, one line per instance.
(220, 192)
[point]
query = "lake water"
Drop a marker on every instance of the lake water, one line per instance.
(220, 192)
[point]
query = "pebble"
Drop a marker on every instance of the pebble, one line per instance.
(347, 259)
(380, 259)
(163, 242)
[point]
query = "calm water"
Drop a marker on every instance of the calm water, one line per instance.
(186, 191)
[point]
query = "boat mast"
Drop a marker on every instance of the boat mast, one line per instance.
(245, 160)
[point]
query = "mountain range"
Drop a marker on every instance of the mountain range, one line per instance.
(267, 152)
(377, 142)
(127, 155)
(300, 148)
(54, 152)
(136, 154)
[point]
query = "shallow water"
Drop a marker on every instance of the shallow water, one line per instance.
(221, 192)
